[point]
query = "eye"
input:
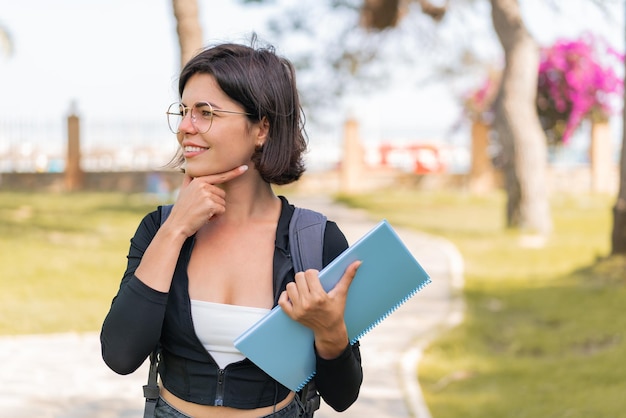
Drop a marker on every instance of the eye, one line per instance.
(204, 110)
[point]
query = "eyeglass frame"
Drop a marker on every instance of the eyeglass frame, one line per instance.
(189, 110)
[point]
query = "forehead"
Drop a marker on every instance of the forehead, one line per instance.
(204, 88)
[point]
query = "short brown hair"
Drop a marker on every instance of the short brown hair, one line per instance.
(265, 86)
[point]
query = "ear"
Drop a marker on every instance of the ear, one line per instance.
(263, 132)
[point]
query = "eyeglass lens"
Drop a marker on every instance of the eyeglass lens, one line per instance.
(201, 116)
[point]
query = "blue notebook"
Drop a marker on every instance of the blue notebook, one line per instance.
(388, 276)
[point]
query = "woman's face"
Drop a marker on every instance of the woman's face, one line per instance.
(232, 138)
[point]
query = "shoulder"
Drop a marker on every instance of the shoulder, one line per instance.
(335, 242)
(148, 228)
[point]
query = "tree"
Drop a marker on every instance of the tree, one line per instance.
(519, 132)
(618, 234)
(188, 28)
(517, 124)
(577, 81)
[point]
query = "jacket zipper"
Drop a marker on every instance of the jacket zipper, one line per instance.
(219, 392)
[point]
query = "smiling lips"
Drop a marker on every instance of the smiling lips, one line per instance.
(189, 148)
(192, 150)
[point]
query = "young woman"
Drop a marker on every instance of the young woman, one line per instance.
(221, 259)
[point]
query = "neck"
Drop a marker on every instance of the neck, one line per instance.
(248, 200)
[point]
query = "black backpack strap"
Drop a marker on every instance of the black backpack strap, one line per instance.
(306, 244)
(151, 390)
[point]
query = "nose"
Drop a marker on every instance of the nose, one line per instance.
(186, 124)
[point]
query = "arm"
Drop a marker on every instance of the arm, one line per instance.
(338, 380)
(339, 374)
(132, 327)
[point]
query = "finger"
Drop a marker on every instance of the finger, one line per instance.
(285, 303)
(348, 276)
(291, 293)
(302, 281)
(299, 281)
(225, 176)
(313, 284)
(211, 192)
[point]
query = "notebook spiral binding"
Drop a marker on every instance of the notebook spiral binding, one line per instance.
(307, 380)
(390, 311)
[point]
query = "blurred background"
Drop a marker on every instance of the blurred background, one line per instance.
(494, 126)
(408, 86)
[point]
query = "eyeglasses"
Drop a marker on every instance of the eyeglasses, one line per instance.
(201, 116)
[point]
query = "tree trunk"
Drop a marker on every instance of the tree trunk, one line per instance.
(618, 235)
(188, 28)
(517, 125)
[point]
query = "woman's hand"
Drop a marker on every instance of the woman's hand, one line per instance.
(306, 301)
(200, 199)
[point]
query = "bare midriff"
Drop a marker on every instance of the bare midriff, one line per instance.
(208, 411)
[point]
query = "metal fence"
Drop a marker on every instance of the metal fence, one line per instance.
(113, 145)
(146, 145)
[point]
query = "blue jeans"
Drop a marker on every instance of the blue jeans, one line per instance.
(293, 409)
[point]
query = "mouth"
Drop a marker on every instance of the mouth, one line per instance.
(192, 150)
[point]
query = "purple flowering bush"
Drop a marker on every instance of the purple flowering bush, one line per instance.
(577, 80)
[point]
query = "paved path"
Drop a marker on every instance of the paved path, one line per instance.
(63, 376)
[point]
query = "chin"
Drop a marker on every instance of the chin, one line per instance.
(197, 173)
(205, 171)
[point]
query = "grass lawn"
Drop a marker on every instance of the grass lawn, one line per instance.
(543, 334)
(62, 257)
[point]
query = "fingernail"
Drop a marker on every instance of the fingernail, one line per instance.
(244, 168)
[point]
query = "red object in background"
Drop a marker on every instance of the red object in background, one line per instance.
(426, 158)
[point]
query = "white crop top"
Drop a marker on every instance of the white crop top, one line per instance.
(217, 325)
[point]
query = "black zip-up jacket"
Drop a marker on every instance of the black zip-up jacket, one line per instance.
(140, 318)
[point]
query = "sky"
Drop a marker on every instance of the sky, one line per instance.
(116, 59)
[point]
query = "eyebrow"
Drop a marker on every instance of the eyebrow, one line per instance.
(213, 105)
